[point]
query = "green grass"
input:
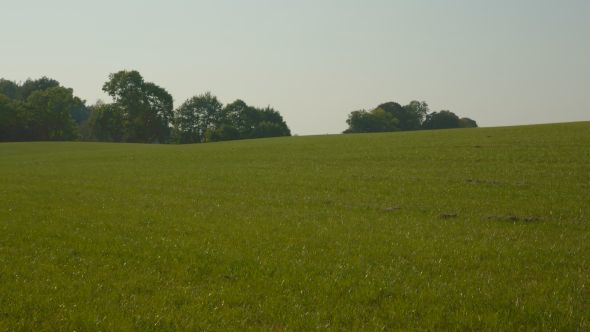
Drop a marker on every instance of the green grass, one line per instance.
(455, 229)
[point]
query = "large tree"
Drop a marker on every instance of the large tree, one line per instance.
(147, 108)
(410, 116)
(441, 120)
(50, 112)
(196, 116)
(242, 117)
(377, 120)
(270, 124)
(418, 111)
(252, 122)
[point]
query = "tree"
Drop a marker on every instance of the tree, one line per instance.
(195, 116)
(467, 123)
(13, 120)
(409, 117)
(80, 112)
(270, 124)
(269, 129)
(204, 119)
(419, 110)
(242, 117)
(50, 114)
(41, 84)
(224, 132)
(147, 108)
(252, 122)
(391, 116)
(9, 89)
(40, 109)
(441, 120)
(378, 120)
(106, 123)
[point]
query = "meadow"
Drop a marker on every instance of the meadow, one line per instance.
(482, 228)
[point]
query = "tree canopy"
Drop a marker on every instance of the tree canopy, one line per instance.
(376, 120)
(203, 118)
(140, 111)
(143, 112)
(196, 116)
(391, 116)
(50, 111)
(39, 110)
(147, 109)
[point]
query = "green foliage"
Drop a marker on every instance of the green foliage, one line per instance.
(417, 111)
(50, 112)
(442, 120)
(39, 110)
(408, 118)
(377, 120)
(106, 123)
(269, 129)
(413, 116)
(467, 123)
(453, 230)
(141, 112)
(30, 86)
(241, 116)
(13, 120)
(80, 113)
(270, 123)
(204, 119)
(9, 89)
(223, 133)
(147, 108)
(196, 116)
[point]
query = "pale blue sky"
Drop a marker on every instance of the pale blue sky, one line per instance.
(500, 62)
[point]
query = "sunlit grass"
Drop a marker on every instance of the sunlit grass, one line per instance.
(456, 229)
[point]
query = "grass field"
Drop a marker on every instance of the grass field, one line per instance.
(457, 229)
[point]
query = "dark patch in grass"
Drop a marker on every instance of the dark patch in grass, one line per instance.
(514, 218)
(448, 215)
(478, 146)
(329, 202)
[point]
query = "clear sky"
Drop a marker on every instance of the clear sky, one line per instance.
(500, 62)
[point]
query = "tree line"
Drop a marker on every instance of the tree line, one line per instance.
(392, 116)
(143, 112)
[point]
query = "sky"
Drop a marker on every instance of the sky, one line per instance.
(501, 62)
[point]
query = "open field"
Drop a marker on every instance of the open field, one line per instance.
(474, 228)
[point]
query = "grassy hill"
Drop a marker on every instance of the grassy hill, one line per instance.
(474, 228)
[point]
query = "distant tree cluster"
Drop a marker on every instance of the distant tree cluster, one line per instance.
(41, 110)
(203, 118)
(391, 116)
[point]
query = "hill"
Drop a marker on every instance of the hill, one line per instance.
(473, 228)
